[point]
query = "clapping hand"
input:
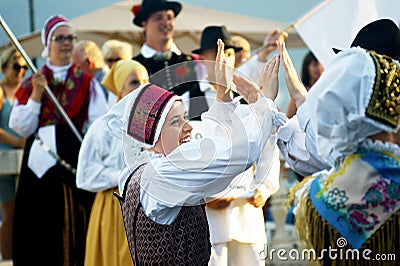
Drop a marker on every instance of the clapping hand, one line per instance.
(271, 43)
(268, 81)
(296, 89)
(221, 69)
(247, 89)
(268, 78)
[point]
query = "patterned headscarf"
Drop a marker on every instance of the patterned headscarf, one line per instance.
(148, 113)
(50, 26)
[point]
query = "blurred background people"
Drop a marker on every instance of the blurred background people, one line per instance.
(244, 54)
(13, 67)
(114, 50)
(51, 213)
(88, 57)
(168, 67)
(99, 165)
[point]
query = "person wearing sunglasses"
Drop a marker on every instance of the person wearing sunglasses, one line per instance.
(114, 50)
(13, 66)
(47, 195)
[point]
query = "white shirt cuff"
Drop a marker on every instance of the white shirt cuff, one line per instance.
(33, 107)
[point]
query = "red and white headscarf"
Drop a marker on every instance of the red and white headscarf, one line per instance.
(50, 26)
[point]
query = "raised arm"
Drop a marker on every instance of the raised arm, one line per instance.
(296, 89)
(221, 69)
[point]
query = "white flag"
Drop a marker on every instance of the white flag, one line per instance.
(335, 23)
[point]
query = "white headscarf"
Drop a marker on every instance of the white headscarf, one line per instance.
(50, 25)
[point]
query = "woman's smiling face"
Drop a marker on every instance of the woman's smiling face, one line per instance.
(175, 131)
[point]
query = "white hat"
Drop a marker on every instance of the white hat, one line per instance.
(50, 26)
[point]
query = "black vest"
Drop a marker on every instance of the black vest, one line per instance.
(184, 242)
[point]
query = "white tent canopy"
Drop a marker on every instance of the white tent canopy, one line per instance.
(115, 22)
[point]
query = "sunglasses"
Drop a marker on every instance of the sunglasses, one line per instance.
(17, 67)
(112, 60)
(62, 38)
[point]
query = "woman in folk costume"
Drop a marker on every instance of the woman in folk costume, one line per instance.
(296, 139)
(169, 176)
(51, 213)
(99, 165)
(356, 204)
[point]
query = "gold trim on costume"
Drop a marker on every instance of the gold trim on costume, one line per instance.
(384, 105)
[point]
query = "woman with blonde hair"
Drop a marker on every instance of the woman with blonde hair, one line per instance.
(114, 50)
(14, 67)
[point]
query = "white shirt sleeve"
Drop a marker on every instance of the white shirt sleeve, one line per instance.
(292, 142)
(97, 104)
(100, 159)
(24, 118)
(268, 169)
(204, 167)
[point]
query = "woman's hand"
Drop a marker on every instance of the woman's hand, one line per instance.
(223, 88)
(271, 43)
(257, 200)
(38, 83)
(296, 89)
(247, 89)
(268, 78)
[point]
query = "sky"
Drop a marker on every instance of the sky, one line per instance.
(16, 14)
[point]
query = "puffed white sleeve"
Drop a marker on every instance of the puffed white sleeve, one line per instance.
(100, 159)
(268, 169)
(292, 142)
(24, 118)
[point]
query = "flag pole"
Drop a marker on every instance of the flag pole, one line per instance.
(292, 25)
(49, 93)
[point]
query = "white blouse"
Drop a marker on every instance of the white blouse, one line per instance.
(100, 159)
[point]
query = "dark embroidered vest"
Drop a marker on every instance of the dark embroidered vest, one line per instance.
(184, 242)
(178, 75)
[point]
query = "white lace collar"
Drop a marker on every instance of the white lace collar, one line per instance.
(378, 145)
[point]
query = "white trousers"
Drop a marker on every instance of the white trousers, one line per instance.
(234, 253)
